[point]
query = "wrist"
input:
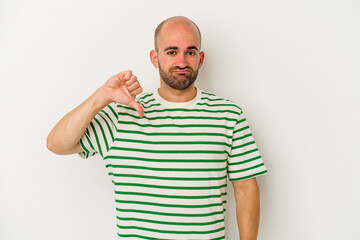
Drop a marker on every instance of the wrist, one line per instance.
(101, 99)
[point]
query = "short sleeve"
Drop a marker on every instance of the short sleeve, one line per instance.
(244, 160)
(100, 134)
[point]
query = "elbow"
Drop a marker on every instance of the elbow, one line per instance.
(61, 148)
(245, 186)
(51, 146)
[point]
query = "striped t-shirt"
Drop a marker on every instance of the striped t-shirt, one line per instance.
(169, 168)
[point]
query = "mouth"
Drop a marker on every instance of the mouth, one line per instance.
(182, 71)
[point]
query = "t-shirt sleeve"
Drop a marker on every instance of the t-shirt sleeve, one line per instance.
(244, 160)
(100, 134)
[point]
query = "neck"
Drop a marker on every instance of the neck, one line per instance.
(174, 95)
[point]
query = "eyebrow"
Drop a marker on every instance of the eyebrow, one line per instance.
(176, 48)
(193, 47)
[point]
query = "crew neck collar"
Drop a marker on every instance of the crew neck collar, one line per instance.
(168, 104)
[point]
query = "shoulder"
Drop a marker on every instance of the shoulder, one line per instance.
(213, 100)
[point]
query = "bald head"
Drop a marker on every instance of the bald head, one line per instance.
(170, 22)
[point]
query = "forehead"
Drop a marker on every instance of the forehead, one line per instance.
(178, 34)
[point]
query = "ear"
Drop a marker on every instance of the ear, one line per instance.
(202, 56)
(154, 58)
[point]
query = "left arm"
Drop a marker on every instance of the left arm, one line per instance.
(247, 208)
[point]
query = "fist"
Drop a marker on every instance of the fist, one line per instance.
(123, 88)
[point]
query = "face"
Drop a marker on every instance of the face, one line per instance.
(178, 55)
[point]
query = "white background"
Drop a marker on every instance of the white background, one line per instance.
(293, 66)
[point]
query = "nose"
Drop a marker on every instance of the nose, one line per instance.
(181, 61)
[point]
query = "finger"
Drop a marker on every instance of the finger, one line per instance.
(133, 86)
(123, 76)
(120, 75)
(136, 91)
(127, 75)
(137, 107)
(132, 79)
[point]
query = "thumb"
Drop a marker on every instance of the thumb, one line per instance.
(137, 107)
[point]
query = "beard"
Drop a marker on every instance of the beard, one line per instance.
(178, 81)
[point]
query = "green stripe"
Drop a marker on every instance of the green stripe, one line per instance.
(169, 187)
(113, 111)
(193, 110)
(218, 238)
(182, 110)
(175, 133)
(88, 139)
(241, 129)
(243, 145)
(249, 176)
(170, 151)
(171, 223)
(171, 205)
(113, 123)
(140, 236)
(168, 178)
(242, 137)
(84, 148)
(171, 196)
(97, 139)
(151, 238)
(168, 169)
(103, 133)
(108, 126)
(207, 93)
(151, 100)
(178, 117)
(246, 169)
(171, 232)
(163, 160)
(175, 125)
(212, 99)
(145, 95)
(244, 153)
(245, 161)
(241, 120)
(172, 142)
(152, 105)
(219, 105)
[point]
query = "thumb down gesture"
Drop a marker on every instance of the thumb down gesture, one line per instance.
(123, 88)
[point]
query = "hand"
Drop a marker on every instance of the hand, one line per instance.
(122, 88)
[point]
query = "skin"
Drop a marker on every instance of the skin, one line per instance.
(247, 197)
(178, 58)
(178, 54)
(65, 136)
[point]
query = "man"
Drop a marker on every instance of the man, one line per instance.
(169, 161)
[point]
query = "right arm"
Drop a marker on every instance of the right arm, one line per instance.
(65, 136)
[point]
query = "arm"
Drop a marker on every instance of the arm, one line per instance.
(247, 208)
(65, 136)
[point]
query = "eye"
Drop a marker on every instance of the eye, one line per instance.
(171, 53)
(192, 53)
